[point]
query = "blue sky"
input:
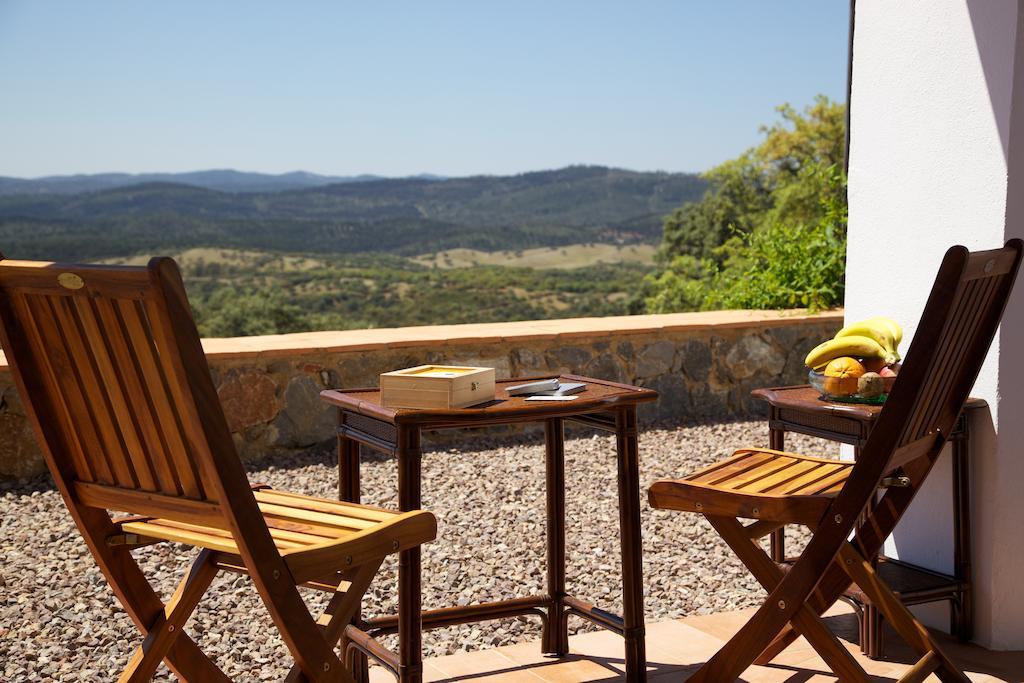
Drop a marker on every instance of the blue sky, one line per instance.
(397, 88)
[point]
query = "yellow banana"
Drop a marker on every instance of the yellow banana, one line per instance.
(853, 345)
(877, 330)
(894, 327)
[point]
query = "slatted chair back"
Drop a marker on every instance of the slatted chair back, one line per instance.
(959, 322)
(952, 339)
(111, 366)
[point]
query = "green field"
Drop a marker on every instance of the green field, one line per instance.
(239, 292)
(568, 257)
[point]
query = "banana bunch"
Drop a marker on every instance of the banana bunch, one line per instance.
(872, 338)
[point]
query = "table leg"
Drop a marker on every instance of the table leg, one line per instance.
(963, 613)
(348, 470)
(555, 639)
(349, 491)
(632, 548)
(410, 620)
(777, 442)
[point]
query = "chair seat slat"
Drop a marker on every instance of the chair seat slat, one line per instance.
(322, 505)
(740, 462)
(109, 362)
(289, 526)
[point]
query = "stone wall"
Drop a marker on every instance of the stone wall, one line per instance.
(703, 364)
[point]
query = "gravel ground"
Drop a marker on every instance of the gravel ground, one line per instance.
(60, 621)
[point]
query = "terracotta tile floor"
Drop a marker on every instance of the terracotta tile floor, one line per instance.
(676, 648)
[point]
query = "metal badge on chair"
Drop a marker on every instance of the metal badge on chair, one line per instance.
(70, 281)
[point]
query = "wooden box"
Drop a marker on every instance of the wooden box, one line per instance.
(436, 386)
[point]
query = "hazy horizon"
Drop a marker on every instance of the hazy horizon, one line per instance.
(337, 175)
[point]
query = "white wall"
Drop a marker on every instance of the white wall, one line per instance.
(937, 149)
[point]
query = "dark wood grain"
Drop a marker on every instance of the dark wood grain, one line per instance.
(600, 395)
(957, 326)
(608, 406)
(110, 368)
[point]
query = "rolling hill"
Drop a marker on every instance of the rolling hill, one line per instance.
(224, 180)
(406, 216)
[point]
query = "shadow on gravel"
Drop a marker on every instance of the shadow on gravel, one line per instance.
(463, 440)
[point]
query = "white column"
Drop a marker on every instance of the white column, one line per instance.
(936, 159)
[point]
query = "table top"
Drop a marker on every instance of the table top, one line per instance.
(598, 396)
(806, 398)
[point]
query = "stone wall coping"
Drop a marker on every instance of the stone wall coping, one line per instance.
(301, 343)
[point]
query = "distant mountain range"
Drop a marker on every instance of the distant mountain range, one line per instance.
(362, 214)
(223, 180)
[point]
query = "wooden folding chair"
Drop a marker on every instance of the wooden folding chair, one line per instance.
(109, 365)
(836, 499)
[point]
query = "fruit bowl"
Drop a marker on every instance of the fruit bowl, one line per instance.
(844, 389)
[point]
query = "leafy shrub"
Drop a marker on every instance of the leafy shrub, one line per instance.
(771, 231)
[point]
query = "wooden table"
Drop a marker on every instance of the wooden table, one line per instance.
(801, 409)
(605, 405)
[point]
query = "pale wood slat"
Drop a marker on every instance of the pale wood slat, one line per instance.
(168, 418)
(305, 527)
(323, 518)
(731, 466)
(175, 382)
(288, 533)
(813, 477)
(138, 395)
(827, 486)
(312, 533)
(159, 528)
(149, 503)
(777, 468)
(88, 395)
(288, 538)
(65, 326)
(795, 469)
(297, 500)
(50, 366)
(193, 538)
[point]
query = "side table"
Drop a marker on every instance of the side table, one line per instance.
(801, 409)
(363, 421)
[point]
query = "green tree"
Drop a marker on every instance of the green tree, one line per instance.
(770, 232)
(228, 312)
(778, 181)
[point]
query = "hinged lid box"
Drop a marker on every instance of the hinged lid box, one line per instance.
(436, 386)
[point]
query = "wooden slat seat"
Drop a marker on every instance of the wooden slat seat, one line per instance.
(110, 369)
(851, 508)
(755, 484)
(298, 524)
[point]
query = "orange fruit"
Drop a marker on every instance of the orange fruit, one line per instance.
(841, 375)
(844, 367)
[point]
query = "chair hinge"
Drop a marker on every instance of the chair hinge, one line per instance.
(895, 482)
(123, 539)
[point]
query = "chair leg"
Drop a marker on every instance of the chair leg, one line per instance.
(314, 656)
(166, 628)
(740, 652)
(342, 607)
(137, 597)
(788, 635)
(903, 622)
(870, 534)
